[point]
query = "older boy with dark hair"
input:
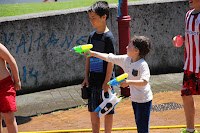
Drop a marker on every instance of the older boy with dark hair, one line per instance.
(7, 90)
(98, 72)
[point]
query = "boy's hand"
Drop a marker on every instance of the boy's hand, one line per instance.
(87, 53)
(105, 86)
(85, 83)
(124, 83)
(17, 86)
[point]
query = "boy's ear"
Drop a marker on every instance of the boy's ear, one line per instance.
(104, 16)
(137, 50)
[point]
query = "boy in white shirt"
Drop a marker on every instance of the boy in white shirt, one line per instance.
(138, 71)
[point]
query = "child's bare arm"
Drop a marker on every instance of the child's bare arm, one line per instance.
(99, 55)
(87, 67)
(133, 82)
(5, 55)
(108, 76)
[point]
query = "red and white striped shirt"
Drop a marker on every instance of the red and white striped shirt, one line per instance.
(192, 40)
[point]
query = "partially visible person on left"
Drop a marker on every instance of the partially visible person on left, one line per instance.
(8, 87)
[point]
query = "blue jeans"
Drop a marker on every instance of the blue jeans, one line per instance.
(142, 114)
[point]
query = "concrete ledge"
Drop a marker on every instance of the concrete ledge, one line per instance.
(43, 14)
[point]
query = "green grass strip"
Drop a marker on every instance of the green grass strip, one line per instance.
(26, 8)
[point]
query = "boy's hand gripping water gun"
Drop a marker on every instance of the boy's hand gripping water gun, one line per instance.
(118, 79)
(108, 103)
(83, 48)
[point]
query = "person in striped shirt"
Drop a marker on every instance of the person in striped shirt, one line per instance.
(191, 79)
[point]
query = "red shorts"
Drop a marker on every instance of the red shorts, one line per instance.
(7, 95)
(191, 84)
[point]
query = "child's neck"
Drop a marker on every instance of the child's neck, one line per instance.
(196, 10)
(102, 30)
(135, 58)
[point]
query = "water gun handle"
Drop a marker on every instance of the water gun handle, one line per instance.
(87, 53)
(105, 100)
(109, 92)
(120, 82)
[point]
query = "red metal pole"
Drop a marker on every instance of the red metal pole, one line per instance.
(123, 26)
(124, 35)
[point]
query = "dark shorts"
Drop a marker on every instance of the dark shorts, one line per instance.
(95, 99)
(191, 84)
(7, 95)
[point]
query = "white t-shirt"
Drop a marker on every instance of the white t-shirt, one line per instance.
(136, 71)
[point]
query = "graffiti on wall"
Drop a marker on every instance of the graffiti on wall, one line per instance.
(27, 43)
(10, 39)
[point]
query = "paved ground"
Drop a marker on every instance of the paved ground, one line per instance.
(64, 109)
(70, 96)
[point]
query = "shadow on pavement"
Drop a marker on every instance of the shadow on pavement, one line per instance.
(20, 120)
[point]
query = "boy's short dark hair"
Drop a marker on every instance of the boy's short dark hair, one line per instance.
(100, 8)
(143, 44)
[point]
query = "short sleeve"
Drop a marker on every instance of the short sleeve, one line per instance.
(144, 71)
(117, 59)
(90, 38)
(110, 43)
(110, 46)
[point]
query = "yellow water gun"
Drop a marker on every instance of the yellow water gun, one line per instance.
(118, 79)
(82, 48)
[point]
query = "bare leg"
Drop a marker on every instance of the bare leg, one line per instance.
(10, 121)
(189, 108)
(95, 120)
(1, 128)
(108, 123)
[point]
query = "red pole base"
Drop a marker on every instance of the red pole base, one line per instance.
(125, 91)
